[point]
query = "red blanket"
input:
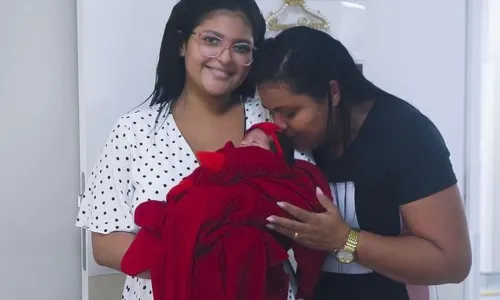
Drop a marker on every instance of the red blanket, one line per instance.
(209, 240)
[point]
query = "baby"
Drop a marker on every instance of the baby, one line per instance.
(209, 239)
(275, 141)
(258, 138)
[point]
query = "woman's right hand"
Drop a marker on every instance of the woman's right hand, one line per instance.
(322, 231)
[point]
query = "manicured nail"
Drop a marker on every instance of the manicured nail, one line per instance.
(271, 219)
(319, 192)
(281, 204)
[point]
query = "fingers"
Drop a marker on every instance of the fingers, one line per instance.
(282, 230)
(324, 200)
(288, 225)
(302, 237)
(297, 212)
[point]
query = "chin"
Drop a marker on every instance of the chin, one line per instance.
(216, 91)
(304, 146)
(299, 146)
(218, 88)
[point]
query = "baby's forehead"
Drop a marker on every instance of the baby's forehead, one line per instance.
(256, 132)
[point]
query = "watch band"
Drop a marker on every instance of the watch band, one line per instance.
(352, 241)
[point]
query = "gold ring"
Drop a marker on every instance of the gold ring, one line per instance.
(295, 235)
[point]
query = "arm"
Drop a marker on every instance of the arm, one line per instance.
(106, 208)
(109, 249)
(438, 253)
(424, 183)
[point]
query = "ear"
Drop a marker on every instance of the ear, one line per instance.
(335, 92)
(182, 51)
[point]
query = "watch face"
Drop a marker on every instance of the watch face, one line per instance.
(345, 257)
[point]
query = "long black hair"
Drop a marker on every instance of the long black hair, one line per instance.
(185, 16)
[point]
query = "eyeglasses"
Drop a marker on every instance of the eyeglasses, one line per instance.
(213, 46)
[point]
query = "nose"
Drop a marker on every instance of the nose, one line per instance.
(280, 122)
(225, 56)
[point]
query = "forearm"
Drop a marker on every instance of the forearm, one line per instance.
(109, 249)
(408, 259)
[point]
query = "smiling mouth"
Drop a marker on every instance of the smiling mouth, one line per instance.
(220, 73)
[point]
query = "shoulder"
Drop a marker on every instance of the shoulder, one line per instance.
(420, 163)
(415, 130)
(142, 123)
(403, 126)
(146, 116)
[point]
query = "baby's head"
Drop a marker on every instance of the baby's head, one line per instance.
(258, 138)
(268, 136)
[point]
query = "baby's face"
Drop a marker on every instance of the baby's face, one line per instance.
(257, 138)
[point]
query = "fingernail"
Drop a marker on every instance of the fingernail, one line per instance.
(319, 192)
(281, 204)
(271, 219)
(270, 226)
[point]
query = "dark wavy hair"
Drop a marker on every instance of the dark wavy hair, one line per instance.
(185, 16)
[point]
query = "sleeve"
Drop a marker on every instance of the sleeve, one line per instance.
(422, 165)
(106, 205)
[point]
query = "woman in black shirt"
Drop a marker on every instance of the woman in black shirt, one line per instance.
(388, 166)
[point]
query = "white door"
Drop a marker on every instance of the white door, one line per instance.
(402, 52)
(118, 42)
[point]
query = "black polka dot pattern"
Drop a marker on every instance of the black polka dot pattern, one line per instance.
(139, 163)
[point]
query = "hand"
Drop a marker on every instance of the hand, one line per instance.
(322, 231)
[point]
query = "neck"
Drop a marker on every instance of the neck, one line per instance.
(357, 117)
(194, 100)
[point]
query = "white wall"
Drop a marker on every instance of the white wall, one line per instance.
(490, 142)
(40, 247)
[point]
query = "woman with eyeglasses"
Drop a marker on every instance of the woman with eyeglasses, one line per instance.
(202, 98)
(388, 166)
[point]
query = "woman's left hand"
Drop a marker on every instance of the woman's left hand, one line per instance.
(322, 231)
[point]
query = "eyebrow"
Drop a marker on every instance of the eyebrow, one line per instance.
(278, 108)
(246, 41)
(220, 35)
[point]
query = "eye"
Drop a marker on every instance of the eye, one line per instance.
(242, 48)
(211, 40)
(289, 114)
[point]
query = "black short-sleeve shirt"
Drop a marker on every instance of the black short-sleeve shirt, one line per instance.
(398, 157)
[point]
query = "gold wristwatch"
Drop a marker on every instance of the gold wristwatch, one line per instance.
(346, 254)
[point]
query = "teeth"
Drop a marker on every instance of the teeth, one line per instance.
(219, 73)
